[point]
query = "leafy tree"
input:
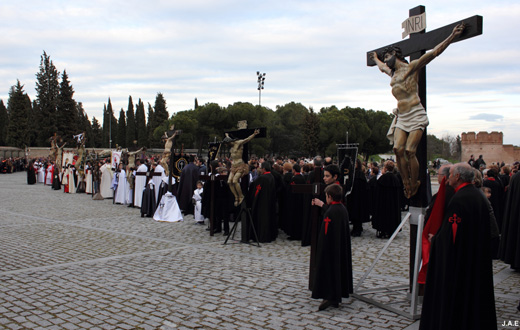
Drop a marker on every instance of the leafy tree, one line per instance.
(286, 134)
(376, 143)
(4, 120)
(333, 126)
(18, 108)
(131, 135)
(47, 92)
(121, 129)
(67, 114)
(140, 123)
(256, 116)
(187, 122)
(310, 128)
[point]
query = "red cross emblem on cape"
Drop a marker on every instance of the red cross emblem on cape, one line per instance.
(455, 220)
(258, 188)
(327, 220)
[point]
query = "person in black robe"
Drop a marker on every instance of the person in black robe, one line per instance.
(333, 278)
(187, 184)
(56, 182)
(357, 201)
(497, 193)
(509, 251)
(307, 200)
(295, 205)
(284, 203)
(459, 292)
(224, 200)
(31, 173)
(263, 200)
(148, 204)
(387, 213)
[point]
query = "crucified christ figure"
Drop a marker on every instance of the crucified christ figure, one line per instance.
(238, 167)
(410, 116)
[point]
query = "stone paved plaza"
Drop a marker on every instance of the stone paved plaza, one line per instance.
(68, 262)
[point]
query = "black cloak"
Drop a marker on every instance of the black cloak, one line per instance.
(186, 187)
(295, 208)
(263, 194)
(387, 213)
(459, 292)
(510, 241)
(333, 278)
(148, 204)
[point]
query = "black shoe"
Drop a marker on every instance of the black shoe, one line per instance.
(226, 233)
(217, 231)
(327, 303)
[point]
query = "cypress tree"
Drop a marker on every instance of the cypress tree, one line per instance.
(106, 125)
(18, 110)
(68, 118)
(47, 91)
(4, 120)
(113, 125)
(140, 123)
(84, 125)
(160, 115)
(97, 134)
(131, 135)
(121, 129)
(149, 126)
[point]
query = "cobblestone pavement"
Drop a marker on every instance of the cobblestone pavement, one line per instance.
(68, 262)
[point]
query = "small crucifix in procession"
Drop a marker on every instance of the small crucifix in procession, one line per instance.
(408, 82)
(168, 153)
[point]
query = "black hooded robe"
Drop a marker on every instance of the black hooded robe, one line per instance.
(333, 278)
(148, 204)
(387, 213)
(459, 292)
(263, 194)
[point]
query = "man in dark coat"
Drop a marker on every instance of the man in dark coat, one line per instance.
(357, 200)
(497, 193)
(510, 241)
(263, 195)
(333, 278)
(387, 214)
(187, 184)
(296, 206)
(459, 291)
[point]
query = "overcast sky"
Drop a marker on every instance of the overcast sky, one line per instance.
(313, 52)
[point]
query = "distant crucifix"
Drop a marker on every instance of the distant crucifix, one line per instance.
(408, 82)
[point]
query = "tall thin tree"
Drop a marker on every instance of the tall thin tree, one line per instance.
(47, 91)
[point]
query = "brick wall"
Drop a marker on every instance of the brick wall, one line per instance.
(490, 146)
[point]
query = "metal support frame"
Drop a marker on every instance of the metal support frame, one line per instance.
(359, 294)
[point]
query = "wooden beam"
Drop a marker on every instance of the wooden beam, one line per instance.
(431, 39)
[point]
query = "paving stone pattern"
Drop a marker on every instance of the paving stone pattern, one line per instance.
(69, 262)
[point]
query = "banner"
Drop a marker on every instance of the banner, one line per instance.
(116, 159)
(213, 149)
(179, 161)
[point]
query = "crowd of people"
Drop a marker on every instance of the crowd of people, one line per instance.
(271, 192)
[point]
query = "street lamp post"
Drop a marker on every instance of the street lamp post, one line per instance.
(261, 80)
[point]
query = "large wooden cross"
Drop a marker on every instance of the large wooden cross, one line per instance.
(415, 47)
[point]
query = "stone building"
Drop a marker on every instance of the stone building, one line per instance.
(490, 145)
